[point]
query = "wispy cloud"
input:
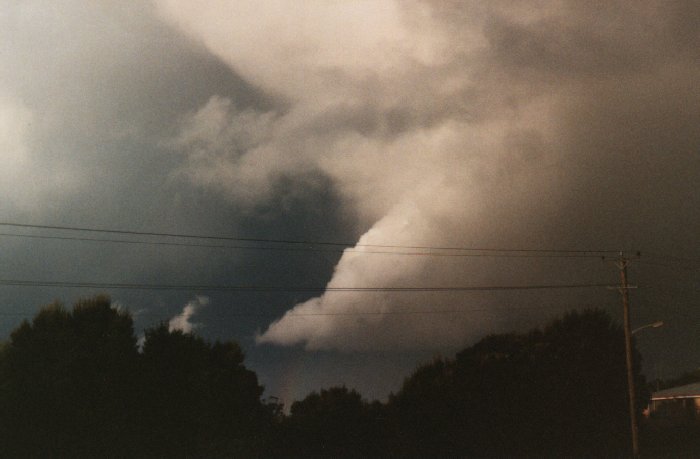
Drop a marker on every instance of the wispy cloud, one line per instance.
(182, 321)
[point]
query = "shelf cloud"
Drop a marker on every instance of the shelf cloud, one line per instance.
(465, 124)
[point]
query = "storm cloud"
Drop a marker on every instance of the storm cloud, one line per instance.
(506, 124)
(511, 125)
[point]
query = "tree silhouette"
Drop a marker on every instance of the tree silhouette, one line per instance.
(199, 398)
(333, 423)
(560, 390)
(73, 384)
(68, 379)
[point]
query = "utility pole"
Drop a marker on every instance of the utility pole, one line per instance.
(624, 288)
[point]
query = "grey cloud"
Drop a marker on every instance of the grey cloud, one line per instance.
(103, 82)
(508, 124)
(91, 91)
(512, 134)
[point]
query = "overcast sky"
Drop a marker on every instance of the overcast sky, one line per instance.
(555, 125)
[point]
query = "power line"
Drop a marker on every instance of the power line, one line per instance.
(293, 241)
(203, 315)
(426, 311)
(672, 257)
(675, 266)
(288, 289)
(304, 249)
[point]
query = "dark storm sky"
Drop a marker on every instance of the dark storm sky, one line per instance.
(530, 124)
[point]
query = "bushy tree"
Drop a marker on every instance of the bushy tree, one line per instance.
(199, 398)
(68, 379)
(557, 391)
(73, 384)
(334, 422)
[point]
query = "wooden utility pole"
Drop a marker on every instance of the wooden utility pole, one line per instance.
(624, 288)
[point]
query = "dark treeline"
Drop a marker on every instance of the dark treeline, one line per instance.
(74, 383)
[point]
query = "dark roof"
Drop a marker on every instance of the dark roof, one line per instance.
(687, 391)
